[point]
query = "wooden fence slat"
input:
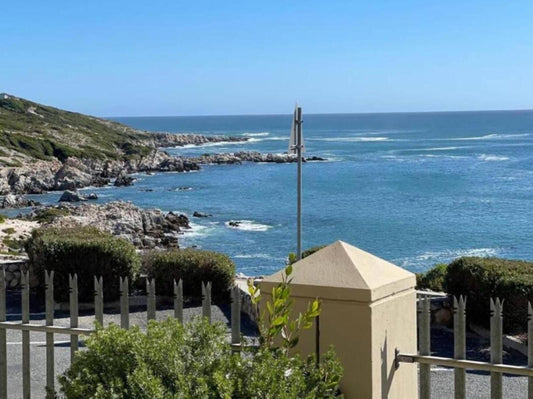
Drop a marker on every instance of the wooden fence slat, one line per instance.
(3, 337)
(178, 300)
(235, 315)
(50, 374)
(206, 301)
(73, 301)
(459, 337)
(496, 347)
(99, 300)
(150, 307)
(26, 387)
(425, 346)
(124, 303)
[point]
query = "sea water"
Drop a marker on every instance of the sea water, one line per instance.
(413, 188)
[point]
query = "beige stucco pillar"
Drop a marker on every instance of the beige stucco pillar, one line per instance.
(368, 310)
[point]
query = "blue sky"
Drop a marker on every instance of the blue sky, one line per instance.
(121, 58)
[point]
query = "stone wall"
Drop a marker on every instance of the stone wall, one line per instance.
(14, 271)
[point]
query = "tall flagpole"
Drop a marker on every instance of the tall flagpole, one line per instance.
(298, 123)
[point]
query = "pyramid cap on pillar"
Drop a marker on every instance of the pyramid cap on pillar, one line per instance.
(343, 272)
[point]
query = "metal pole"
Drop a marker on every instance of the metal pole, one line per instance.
(298, 123)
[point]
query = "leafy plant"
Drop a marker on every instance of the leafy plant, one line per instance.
(292, 256)
(278, 321)
(192, 360)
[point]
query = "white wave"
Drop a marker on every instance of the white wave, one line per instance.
(247, 225)
(197, 230)
(434, 149)
(216, 144)
(492, 136)
(257, 256)
(273, 138)
(261, 134)
(350, 139)
(489, 158)
(430, 258)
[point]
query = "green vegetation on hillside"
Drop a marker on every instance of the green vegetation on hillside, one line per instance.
(43, 132)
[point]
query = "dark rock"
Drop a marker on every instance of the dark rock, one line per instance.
(92, 196)
(201, 215)
(71, 196)
(146, 190)
(123, 180)
(233, 223)
(178, 220)
(315, 158)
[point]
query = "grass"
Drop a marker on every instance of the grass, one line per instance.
(50, 214)
(9, 230)
(44, 132)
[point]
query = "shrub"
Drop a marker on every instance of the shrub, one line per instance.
(193, 360)
(2, 218)
(86, 251)
(9, 230)
(483, 278)
(48, 215)
(193, 266)
(305, 254)
(434, 279)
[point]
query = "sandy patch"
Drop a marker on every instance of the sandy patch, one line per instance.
(15, 229)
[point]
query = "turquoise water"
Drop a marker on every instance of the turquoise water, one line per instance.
(415, 189)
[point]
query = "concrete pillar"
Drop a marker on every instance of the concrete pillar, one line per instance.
(368, 310)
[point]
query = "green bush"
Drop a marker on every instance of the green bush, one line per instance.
(193, 266)
(193, 360)
(483, 278)
(48, 215)
(434, 279)
(9, 230)
(2, 218)
(86, 251)
(305, 253)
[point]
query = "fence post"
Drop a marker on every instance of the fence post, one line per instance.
(529, 348)
(235, 315)
(73, 285)
(99, 300)
(3, 337)
(50, 375)
(496, 347)
(124, 303)
(206, 301)
(150, 307)
(178, 300)
(425, 346)
(459, 338)
(26, 387)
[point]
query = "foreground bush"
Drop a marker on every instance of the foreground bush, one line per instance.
(193, 266)
(193, 360)
(86, 251)
(482, 278)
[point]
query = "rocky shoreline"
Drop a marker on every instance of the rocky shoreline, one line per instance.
(180, 140)
(144, 228)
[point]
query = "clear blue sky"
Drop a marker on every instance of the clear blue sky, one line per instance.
(251, 57)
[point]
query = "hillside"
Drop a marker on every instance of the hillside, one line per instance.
(33, 131)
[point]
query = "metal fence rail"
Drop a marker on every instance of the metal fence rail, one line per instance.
(459, 362)
(74, 331)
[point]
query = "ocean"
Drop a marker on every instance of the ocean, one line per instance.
(413, 188)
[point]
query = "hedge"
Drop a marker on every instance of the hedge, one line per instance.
(86, 251)
(434, 279)
(193, 266)
(483, 278)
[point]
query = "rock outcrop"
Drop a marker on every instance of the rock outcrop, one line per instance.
(123, 180)
(249, 156)
(145, 228)
(17, 201)
(179, 140)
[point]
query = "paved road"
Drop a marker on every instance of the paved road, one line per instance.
(477, 383)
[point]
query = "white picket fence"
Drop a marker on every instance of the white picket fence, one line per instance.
(25, 326)
(459, 361)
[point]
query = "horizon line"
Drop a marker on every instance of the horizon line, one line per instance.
(322, 113)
